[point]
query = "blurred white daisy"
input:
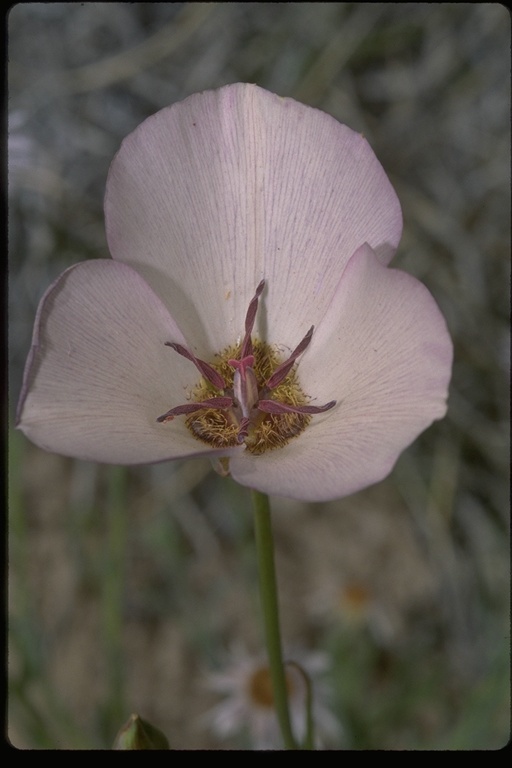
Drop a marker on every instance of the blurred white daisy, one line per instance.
(353, 605)
(248, 702)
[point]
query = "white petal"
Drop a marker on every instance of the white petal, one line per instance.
(99, 375)
(210, 195)
(384, 353)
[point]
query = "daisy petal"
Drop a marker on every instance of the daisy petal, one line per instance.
(211, 195)
(384, 353)
(99, 373)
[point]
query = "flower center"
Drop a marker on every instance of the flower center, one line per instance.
(247, 395)
(260, 687)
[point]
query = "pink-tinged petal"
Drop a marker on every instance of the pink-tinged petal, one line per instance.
(211, 195)
(384, 354)
(99, 374)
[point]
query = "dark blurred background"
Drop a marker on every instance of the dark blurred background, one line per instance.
(128, 588)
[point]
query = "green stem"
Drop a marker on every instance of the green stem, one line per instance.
(113, 589)
(268, 594)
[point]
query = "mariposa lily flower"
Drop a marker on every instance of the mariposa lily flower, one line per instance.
(248, 313)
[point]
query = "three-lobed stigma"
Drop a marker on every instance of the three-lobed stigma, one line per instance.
(247, 396)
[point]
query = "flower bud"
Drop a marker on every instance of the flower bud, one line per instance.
(137, 733)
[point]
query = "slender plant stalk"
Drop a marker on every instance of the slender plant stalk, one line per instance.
(113, 586)
(268, 594)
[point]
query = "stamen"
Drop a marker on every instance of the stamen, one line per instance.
(207, 371)
(249, 321)
(283, 370)
(222, 403)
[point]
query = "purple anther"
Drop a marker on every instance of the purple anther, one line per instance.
(206, 370)
(222, 403)
(282, 371)
(249, 321)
